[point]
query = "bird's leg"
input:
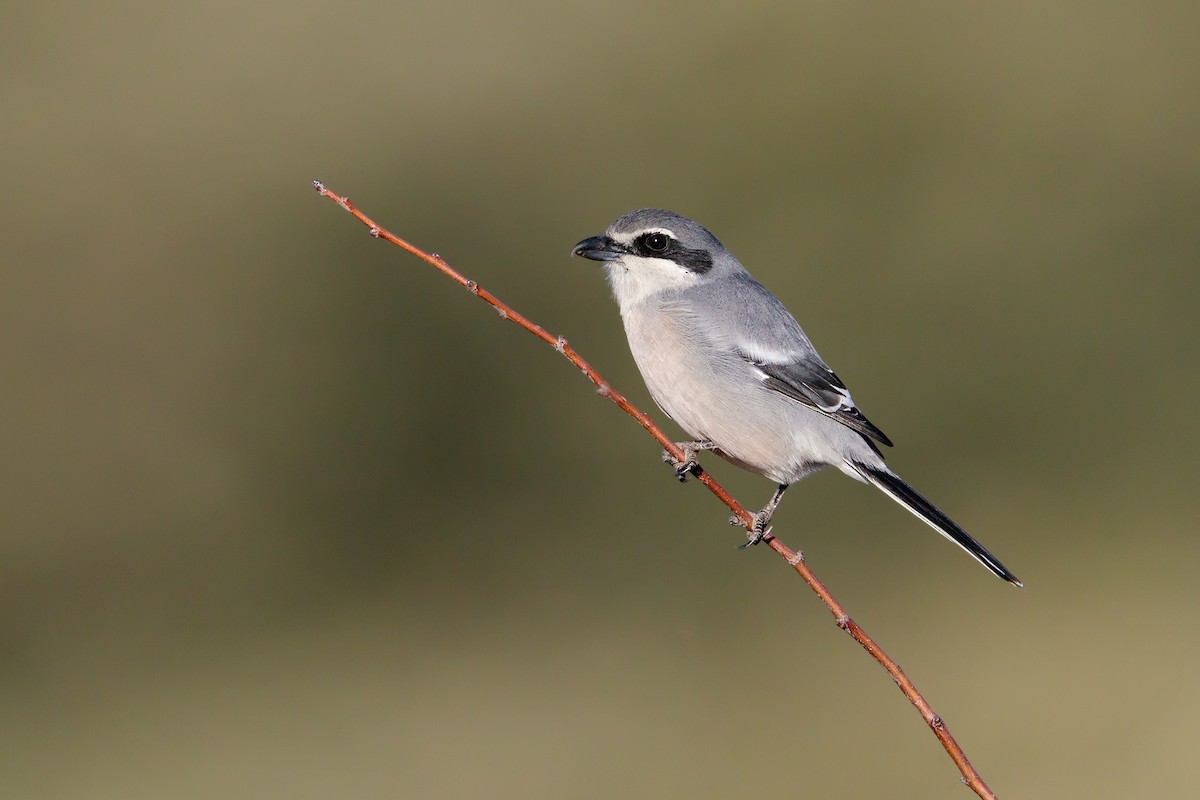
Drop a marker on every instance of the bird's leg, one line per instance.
(761, 520)
(688, 465)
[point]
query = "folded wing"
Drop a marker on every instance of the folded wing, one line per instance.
(816, 386)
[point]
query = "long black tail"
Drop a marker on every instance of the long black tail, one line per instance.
(905, 495)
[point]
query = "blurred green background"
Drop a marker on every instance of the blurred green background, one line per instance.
(285, 513)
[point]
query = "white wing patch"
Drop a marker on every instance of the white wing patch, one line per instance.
(845, 404)
(755, 351)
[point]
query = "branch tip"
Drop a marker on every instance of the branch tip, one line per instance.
(320, 187)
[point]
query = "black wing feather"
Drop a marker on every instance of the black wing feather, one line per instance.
(817, 387)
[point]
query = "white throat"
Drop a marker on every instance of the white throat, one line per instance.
(634, 279)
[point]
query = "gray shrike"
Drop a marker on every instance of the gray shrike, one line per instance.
(725, 360)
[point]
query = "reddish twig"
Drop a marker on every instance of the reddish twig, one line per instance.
(795, 558)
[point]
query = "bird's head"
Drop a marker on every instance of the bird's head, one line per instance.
(651, 251)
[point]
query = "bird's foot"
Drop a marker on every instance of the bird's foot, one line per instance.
(757, 531)
(689, 465)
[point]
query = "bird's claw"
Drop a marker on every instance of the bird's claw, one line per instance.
(688, 466)
(757, 531)
(681, 468)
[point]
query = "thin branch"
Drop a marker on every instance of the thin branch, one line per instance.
(795, 558)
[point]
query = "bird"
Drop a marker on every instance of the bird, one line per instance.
(726, 361)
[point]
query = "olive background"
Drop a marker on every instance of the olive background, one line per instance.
(287, 513)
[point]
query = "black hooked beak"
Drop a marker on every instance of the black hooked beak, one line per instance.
(599, 248)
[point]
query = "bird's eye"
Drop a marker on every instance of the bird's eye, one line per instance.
(656, 242)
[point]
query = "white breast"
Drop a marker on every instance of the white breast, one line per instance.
(712, 393)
